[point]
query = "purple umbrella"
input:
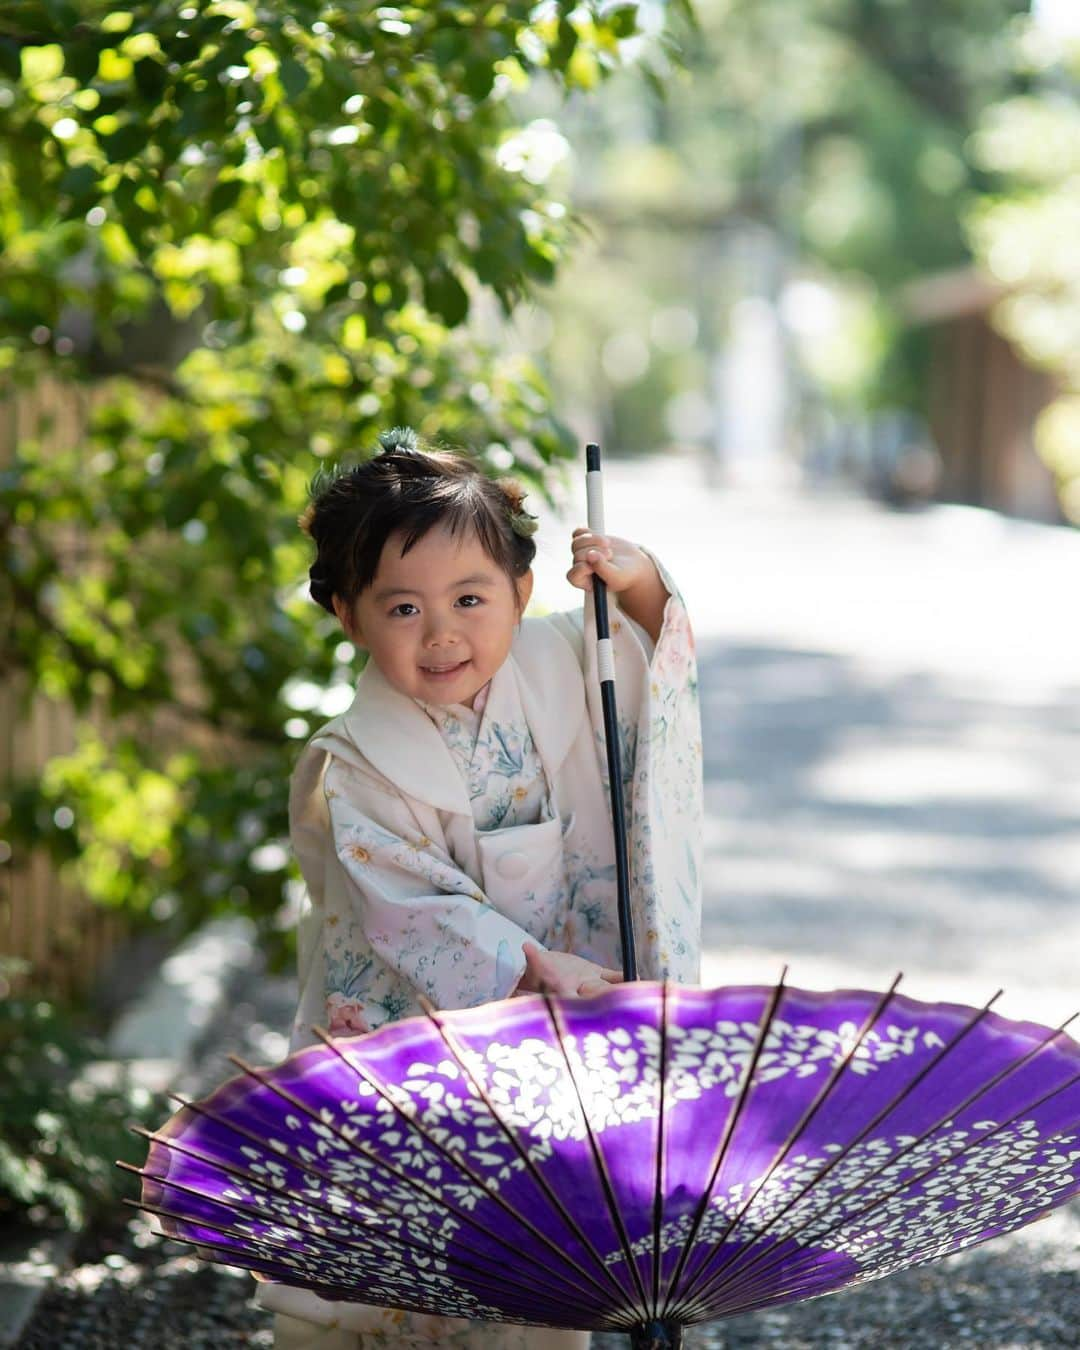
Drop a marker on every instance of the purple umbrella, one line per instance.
(653, 1158)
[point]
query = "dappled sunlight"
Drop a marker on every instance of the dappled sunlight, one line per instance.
(859, 825)
(877, 775)
(132, 1283)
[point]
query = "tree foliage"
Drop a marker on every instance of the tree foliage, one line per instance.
(243, 238)
(63, 1121)
(840, 132)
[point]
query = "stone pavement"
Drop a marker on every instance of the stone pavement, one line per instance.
(891, 707)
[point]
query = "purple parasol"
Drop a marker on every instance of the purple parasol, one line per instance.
(652, 1158)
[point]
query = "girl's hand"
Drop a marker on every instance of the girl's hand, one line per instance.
(617, 562)
(564, 974)
(344, 1016)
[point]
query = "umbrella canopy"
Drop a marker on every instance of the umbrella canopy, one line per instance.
(652, 1158)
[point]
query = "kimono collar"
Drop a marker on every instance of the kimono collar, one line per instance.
(402, 743)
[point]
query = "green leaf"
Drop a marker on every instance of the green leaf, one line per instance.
(445, 296)
(126, 143)
(193, 118)
(81, 60)
(267, 133)
(293, 77)
(623, 21)
(63, 15)
(479, 78)
(226, 192)
(150, 78)
(79, 182)
(377, 113)
(565, 44)
(449, 45)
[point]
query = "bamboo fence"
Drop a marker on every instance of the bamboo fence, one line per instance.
(64, 937)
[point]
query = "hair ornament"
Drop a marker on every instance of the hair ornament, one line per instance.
(321, 590)
(398, 439)
(523, 524)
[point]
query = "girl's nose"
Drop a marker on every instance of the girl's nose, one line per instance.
(440, 631)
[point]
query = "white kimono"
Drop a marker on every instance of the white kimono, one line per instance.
(435, 843)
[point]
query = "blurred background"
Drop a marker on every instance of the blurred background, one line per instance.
(834, 243)
(807, 269)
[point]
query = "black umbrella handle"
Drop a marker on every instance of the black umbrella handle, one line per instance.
(656, 1335)
(605, 657)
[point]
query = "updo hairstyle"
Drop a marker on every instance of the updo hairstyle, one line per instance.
(404, 488)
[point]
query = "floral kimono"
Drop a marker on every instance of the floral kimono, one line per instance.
(435, 841)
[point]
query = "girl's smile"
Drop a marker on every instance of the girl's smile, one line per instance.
(444, 672)
(439, 620)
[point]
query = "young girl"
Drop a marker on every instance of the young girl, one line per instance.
(453, 825)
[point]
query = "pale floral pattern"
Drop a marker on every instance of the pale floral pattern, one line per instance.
(496, 756)
(663, 791)
(675, 659)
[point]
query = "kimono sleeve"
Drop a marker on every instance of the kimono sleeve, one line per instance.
(659, 728)
(407, 902)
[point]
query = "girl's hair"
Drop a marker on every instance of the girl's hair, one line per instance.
(354, 511)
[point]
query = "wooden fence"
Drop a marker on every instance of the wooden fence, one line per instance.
(65, 938)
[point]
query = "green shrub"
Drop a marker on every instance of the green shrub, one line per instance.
(63, 1121)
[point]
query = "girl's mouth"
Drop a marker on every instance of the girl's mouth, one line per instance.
(443, 672)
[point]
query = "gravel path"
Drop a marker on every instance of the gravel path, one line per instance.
(130, 1288)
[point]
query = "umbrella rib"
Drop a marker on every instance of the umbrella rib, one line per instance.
(686, 1294)
(661, 1161)
(493, 1278)
(598, 1158)
(435, 1303)
(226, 1230)
(1006, 1190)
(382, 1206)
(719, 1277)
(361, 1147)
(370, 1077)
(959, 1153)
(767, 1016)
(264, 1264)
(238, 1207)
(724, 1276)
(232, 1170)
(456, 1051)
(396, 1171)
(768, 1297)
(367, 1152)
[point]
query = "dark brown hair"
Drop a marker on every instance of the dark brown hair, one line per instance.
(353, 511)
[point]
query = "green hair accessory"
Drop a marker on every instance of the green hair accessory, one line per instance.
(399, 439)
(523, 524)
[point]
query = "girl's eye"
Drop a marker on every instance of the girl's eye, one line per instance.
(398, 608)
(475, 599)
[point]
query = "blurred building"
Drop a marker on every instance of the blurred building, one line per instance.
(984, 399)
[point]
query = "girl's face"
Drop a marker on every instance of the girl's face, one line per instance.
(438, 621)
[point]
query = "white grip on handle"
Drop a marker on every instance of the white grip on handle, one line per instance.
(594, 496)
(605, 659)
